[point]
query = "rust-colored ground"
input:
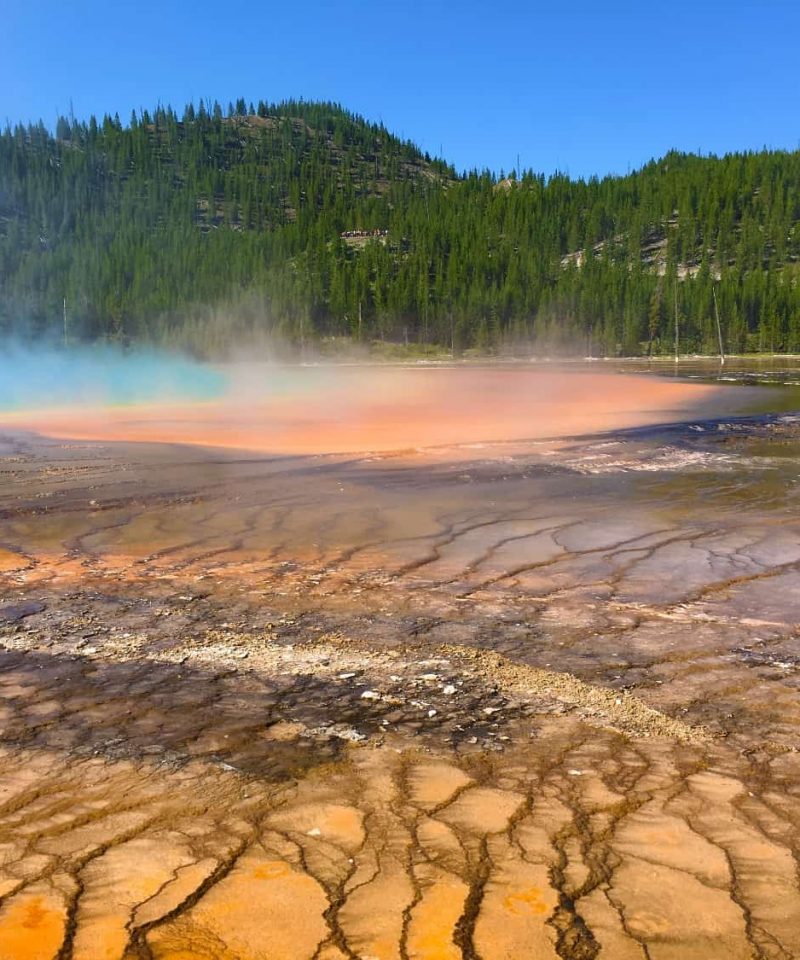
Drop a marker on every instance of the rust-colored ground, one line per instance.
(535, 698)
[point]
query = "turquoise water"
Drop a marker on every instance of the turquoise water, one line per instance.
(33, 378)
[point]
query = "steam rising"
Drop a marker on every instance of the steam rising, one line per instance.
(106, 394)
(35, 378)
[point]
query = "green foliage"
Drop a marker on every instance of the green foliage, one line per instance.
(203, 230)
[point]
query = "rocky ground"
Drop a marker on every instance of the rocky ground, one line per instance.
(490, 701)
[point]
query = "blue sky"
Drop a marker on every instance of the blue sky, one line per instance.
(576, 86)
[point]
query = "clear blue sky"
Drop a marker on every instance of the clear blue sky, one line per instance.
(584, 87)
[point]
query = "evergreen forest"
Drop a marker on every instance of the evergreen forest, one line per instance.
(305, 223)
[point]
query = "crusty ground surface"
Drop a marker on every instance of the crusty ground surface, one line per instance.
(527, 699)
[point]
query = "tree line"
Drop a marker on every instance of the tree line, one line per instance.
(303, 221)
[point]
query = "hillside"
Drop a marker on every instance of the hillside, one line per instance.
(303, 221)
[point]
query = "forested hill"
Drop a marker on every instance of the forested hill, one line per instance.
(303, 221)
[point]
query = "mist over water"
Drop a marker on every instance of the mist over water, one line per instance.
(276, 409)
(45, 376)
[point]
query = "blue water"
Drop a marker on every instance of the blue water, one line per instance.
(32, 378)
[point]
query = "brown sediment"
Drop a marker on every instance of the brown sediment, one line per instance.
(526, 699)
(264, 906)
(12, 561)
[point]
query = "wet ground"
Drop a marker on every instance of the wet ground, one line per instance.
(526, 698)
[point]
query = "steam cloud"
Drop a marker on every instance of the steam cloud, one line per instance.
(42, 376)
